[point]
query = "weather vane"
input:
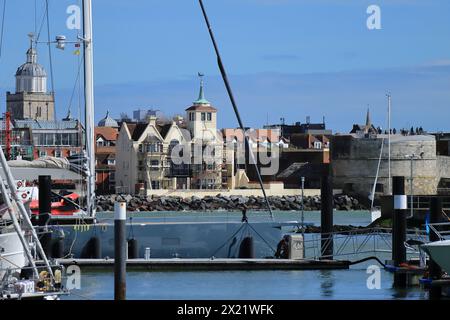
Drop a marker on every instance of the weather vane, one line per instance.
(31, 36)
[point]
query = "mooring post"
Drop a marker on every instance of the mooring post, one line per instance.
(120, 250)
(399, 229)
(326, 217)
(434, 269)
(45, 208)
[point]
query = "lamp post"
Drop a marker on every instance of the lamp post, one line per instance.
(303, 204)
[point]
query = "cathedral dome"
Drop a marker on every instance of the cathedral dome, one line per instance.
(108, 122)
(31, 76)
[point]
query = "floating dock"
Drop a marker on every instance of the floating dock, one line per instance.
(209, 264)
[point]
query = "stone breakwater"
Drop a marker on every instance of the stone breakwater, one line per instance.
(221, 202)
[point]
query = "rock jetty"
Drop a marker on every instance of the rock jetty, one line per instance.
(222, 202)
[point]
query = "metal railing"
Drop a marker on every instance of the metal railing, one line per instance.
(437, 229)
(356, 242)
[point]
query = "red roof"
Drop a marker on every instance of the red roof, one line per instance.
(108, 133)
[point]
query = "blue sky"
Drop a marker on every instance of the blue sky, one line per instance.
(285, 58)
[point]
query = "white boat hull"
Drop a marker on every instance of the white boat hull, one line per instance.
(12, 255)
(439, 251)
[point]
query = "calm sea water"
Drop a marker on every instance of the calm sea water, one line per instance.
(237, 285)
(356, 218)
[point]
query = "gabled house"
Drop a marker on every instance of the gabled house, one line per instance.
(143, 158)
(105, 158)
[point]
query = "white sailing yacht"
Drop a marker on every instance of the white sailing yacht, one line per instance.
(17, 237)
(375, 213)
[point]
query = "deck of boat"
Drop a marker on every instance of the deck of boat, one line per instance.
(210, 264)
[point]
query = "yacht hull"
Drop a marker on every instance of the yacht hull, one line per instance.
(12, 255)
(439, 251)
(175, 239)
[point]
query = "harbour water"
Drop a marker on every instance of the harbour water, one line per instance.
(258, 285)
(238, 285)
(355, 218)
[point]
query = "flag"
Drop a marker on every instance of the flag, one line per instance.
(77, 51)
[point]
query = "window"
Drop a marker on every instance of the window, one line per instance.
(73, 139)
(317, 145)
(203, 116)
(379, 187)
(112, 176)
(209, 116)
(57, 153)
(154, 163)
(111, 162)
(58, 139)
(191, 116)
(154, 147)
(50, 139)
(100, 142)
(42, 154)
(155, 185)
(65, 139)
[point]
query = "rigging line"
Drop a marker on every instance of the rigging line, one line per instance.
(49, 47)
(75, 85)
(233, 103)
(223, 245)
(262, 238)
(38, 36)
(238, 244)
(2, 28)
(35, 16)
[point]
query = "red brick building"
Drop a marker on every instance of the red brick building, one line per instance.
(105, 155)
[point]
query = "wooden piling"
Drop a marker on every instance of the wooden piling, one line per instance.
(45, 208)
(120, 250)
(434, 269)
(399, 229)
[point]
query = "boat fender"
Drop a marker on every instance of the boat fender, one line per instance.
(58, 248)
(58, 278)
(247, 249)
(133, 248)
(46, 243)
(92, 249)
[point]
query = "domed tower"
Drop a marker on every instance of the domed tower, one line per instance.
(108, 122)
(31, 100)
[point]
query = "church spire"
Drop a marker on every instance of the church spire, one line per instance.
(201, 96)
(368, 122)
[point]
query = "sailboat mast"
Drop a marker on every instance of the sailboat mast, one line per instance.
(89, 101)
(389, 143)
